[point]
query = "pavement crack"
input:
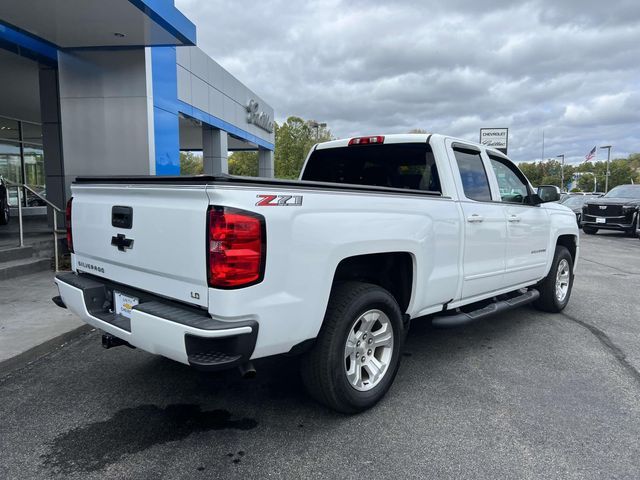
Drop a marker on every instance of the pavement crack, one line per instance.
(608, 266)
(611, 347)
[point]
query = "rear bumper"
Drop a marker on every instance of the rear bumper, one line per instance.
(179, 332)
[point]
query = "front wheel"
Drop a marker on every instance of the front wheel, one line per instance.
(555, 289)
(357, 353)
(589, 230)
(632, 231)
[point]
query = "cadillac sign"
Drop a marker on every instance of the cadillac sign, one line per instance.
(497, 138)
(257, 117)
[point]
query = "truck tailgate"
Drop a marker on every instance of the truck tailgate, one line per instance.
(167, 255)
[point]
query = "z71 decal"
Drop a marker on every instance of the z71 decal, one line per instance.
(279, 201)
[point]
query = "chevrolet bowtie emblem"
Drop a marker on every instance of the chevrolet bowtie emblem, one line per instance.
(121, 242)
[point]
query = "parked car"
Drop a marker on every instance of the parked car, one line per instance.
(215, 271)
(35, 200)
(575, 203)
(566, 196)
(5, 212)
(617, 210)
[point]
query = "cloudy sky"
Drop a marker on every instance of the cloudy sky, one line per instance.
(568, 67)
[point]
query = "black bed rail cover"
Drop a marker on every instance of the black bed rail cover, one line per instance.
(249, 181)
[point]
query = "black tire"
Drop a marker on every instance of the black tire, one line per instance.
(5, 213)
(589, 230)
(323, 367)
(549, 301)
(632, 231)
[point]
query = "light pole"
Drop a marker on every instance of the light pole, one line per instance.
(317, 126)
(606, 176)
(561, 171)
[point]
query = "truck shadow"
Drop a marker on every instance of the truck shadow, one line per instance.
(278, 384)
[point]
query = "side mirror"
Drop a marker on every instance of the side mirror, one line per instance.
(549, 193)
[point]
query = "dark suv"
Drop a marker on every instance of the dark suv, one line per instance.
(617, 210)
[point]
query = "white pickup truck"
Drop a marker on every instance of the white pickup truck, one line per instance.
(215, 271)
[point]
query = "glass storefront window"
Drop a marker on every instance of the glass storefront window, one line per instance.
(9, 129)
(34, 174)
(22, 159)
(11, 166)
(32, 133)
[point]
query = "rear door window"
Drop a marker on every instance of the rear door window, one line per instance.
(473, 175)
(409, 166)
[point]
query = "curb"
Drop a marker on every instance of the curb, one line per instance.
(12, 364)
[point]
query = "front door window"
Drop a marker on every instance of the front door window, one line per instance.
(513, 188)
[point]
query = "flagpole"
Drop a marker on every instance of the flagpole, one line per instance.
(542, 158)
(606, 175)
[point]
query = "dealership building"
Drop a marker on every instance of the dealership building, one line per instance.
(118, 87)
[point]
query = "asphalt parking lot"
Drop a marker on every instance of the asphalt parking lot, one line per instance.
(523, 395)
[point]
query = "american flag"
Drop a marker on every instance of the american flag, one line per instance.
(590, 155)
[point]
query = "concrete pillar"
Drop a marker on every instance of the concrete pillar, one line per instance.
(214, 151)
(105, 107)
(52, 140)
(265, 163)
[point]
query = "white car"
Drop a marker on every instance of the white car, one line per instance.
(217, 271)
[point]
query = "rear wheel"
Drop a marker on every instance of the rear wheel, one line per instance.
(555, 289)
(589, 230)
(357, 353)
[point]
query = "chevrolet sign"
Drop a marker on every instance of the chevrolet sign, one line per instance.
(258, 118)
(497, 138)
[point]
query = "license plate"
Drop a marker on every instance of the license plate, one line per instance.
(601, 220)
(124, 303)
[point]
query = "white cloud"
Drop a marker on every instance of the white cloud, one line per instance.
(570, 67)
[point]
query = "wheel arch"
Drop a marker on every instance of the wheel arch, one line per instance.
(571, 244)
(393, 271)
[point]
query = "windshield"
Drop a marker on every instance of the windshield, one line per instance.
(575, 201)
(625, 191)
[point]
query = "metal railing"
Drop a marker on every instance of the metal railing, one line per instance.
(56, 210)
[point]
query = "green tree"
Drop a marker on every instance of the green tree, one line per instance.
(191, 163)
(532, 171)
(585, 183)
(244, 164)
(621, 171)
(547, 173)
(294, 139)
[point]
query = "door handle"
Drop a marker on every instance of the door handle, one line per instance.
(475, 218)
(514, 218)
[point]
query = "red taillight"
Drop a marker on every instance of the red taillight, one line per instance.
(236, 247)
(366, 140)
(67, 221)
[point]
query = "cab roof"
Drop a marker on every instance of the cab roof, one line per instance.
(405, 138)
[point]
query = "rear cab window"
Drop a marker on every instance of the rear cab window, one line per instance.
(409, 166)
